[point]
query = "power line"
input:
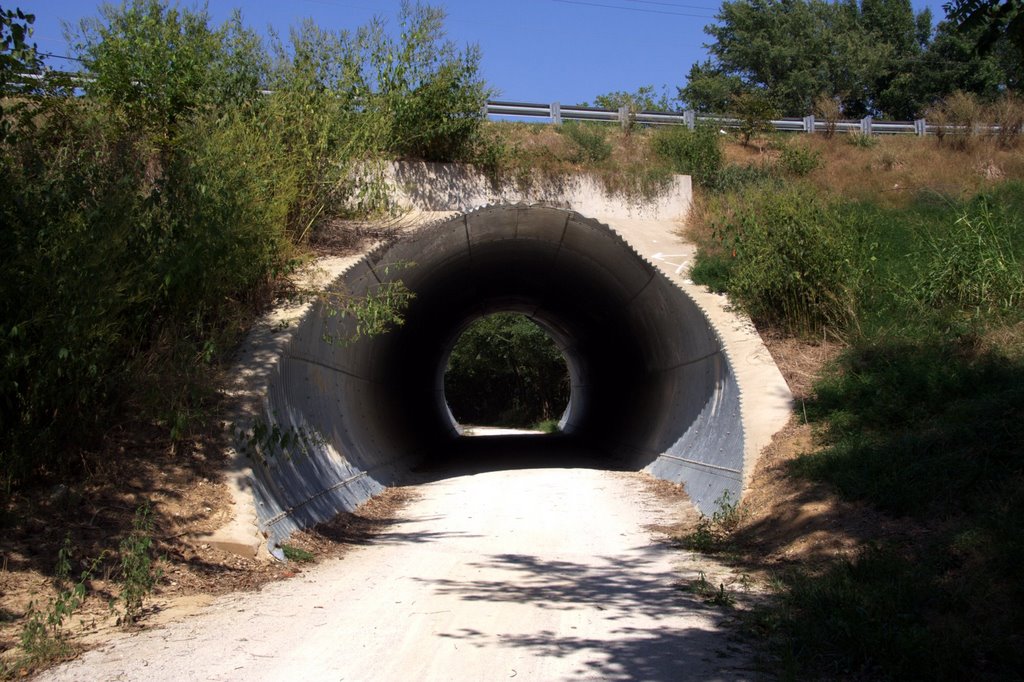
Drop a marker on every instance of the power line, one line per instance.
(61, 56)
(671, 4)
(634, 9)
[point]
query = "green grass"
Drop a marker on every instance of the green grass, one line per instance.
(920, 417)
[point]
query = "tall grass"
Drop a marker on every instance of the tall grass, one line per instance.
(785, 256)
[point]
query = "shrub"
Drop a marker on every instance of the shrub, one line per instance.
(159, 64)
(799, 160)
(694, 152)
(792, 260)
(1008, 114)
(972, 268)
(588, 140)
(429, 95)
(755, 112)
(956, 119)
(505, 370)
(829, 110)
(862, 140)
(144, 221)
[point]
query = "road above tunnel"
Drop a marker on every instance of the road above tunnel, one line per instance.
(535, 574)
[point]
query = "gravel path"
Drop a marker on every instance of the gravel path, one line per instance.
(530, 574)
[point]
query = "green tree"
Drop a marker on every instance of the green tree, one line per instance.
(505, 370)
(992, 22)
(710, 89)
(873, 56)
(17, 57)
(430, 94)
(644, 98)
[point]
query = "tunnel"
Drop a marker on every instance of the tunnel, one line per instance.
(346, 415)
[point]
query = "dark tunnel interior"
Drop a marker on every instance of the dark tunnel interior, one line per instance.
(651, 387)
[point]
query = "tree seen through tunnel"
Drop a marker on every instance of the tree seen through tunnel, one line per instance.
(506, 371)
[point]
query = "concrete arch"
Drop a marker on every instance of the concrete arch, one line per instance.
(652, 384)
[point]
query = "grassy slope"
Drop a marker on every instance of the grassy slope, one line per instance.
(920, 415)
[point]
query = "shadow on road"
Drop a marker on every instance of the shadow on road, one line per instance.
(645, 642)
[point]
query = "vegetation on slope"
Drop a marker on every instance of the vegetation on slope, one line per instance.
(920, 414)
(145, 222)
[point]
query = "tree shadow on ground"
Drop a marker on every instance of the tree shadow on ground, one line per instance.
(644, 636)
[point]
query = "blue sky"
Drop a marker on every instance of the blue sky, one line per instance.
(533, 50)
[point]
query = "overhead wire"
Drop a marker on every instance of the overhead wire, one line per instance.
(634, 9)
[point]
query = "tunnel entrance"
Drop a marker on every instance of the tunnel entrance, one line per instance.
(505, 372)
(651, 386)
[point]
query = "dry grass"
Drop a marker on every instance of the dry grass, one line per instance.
(891, 171)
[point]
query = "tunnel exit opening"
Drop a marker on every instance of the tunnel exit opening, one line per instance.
(506, 374)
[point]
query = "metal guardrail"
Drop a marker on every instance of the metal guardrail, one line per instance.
(557, 113)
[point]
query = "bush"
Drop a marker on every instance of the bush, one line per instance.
(956, 119)
(799, 160)
(429, 95)
(588, 140)
(792, 260)
(755, 112)
(1008, 114)
(829, 109)
(693, 152)
(145, 221)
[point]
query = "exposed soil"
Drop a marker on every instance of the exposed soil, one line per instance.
(787, 519)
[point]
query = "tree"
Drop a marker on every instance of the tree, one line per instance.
(17, 57)
(644, 98)
(505, 370)
(709, 89)
(993, 21)
(873, 56)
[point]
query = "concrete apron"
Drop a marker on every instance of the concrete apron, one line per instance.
(664, 374)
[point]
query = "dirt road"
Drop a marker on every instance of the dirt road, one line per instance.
(529, 574)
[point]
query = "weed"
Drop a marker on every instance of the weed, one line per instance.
(830, 110)
(711, 532)
(264, 441)
(862, 140)
(793, 263)
(138, 572)
(956, 119)
(589, 141)
(377, 312)
(695, 152)
(972, 268)
(297, 554)
(42, 636)
(799, 160)
(547, 426)
(701, 587)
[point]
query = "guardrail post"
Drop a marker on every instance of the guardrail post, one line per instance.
(690, 119)
(920, 127)
(556, 113)
(865, 125)
(809, 124)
